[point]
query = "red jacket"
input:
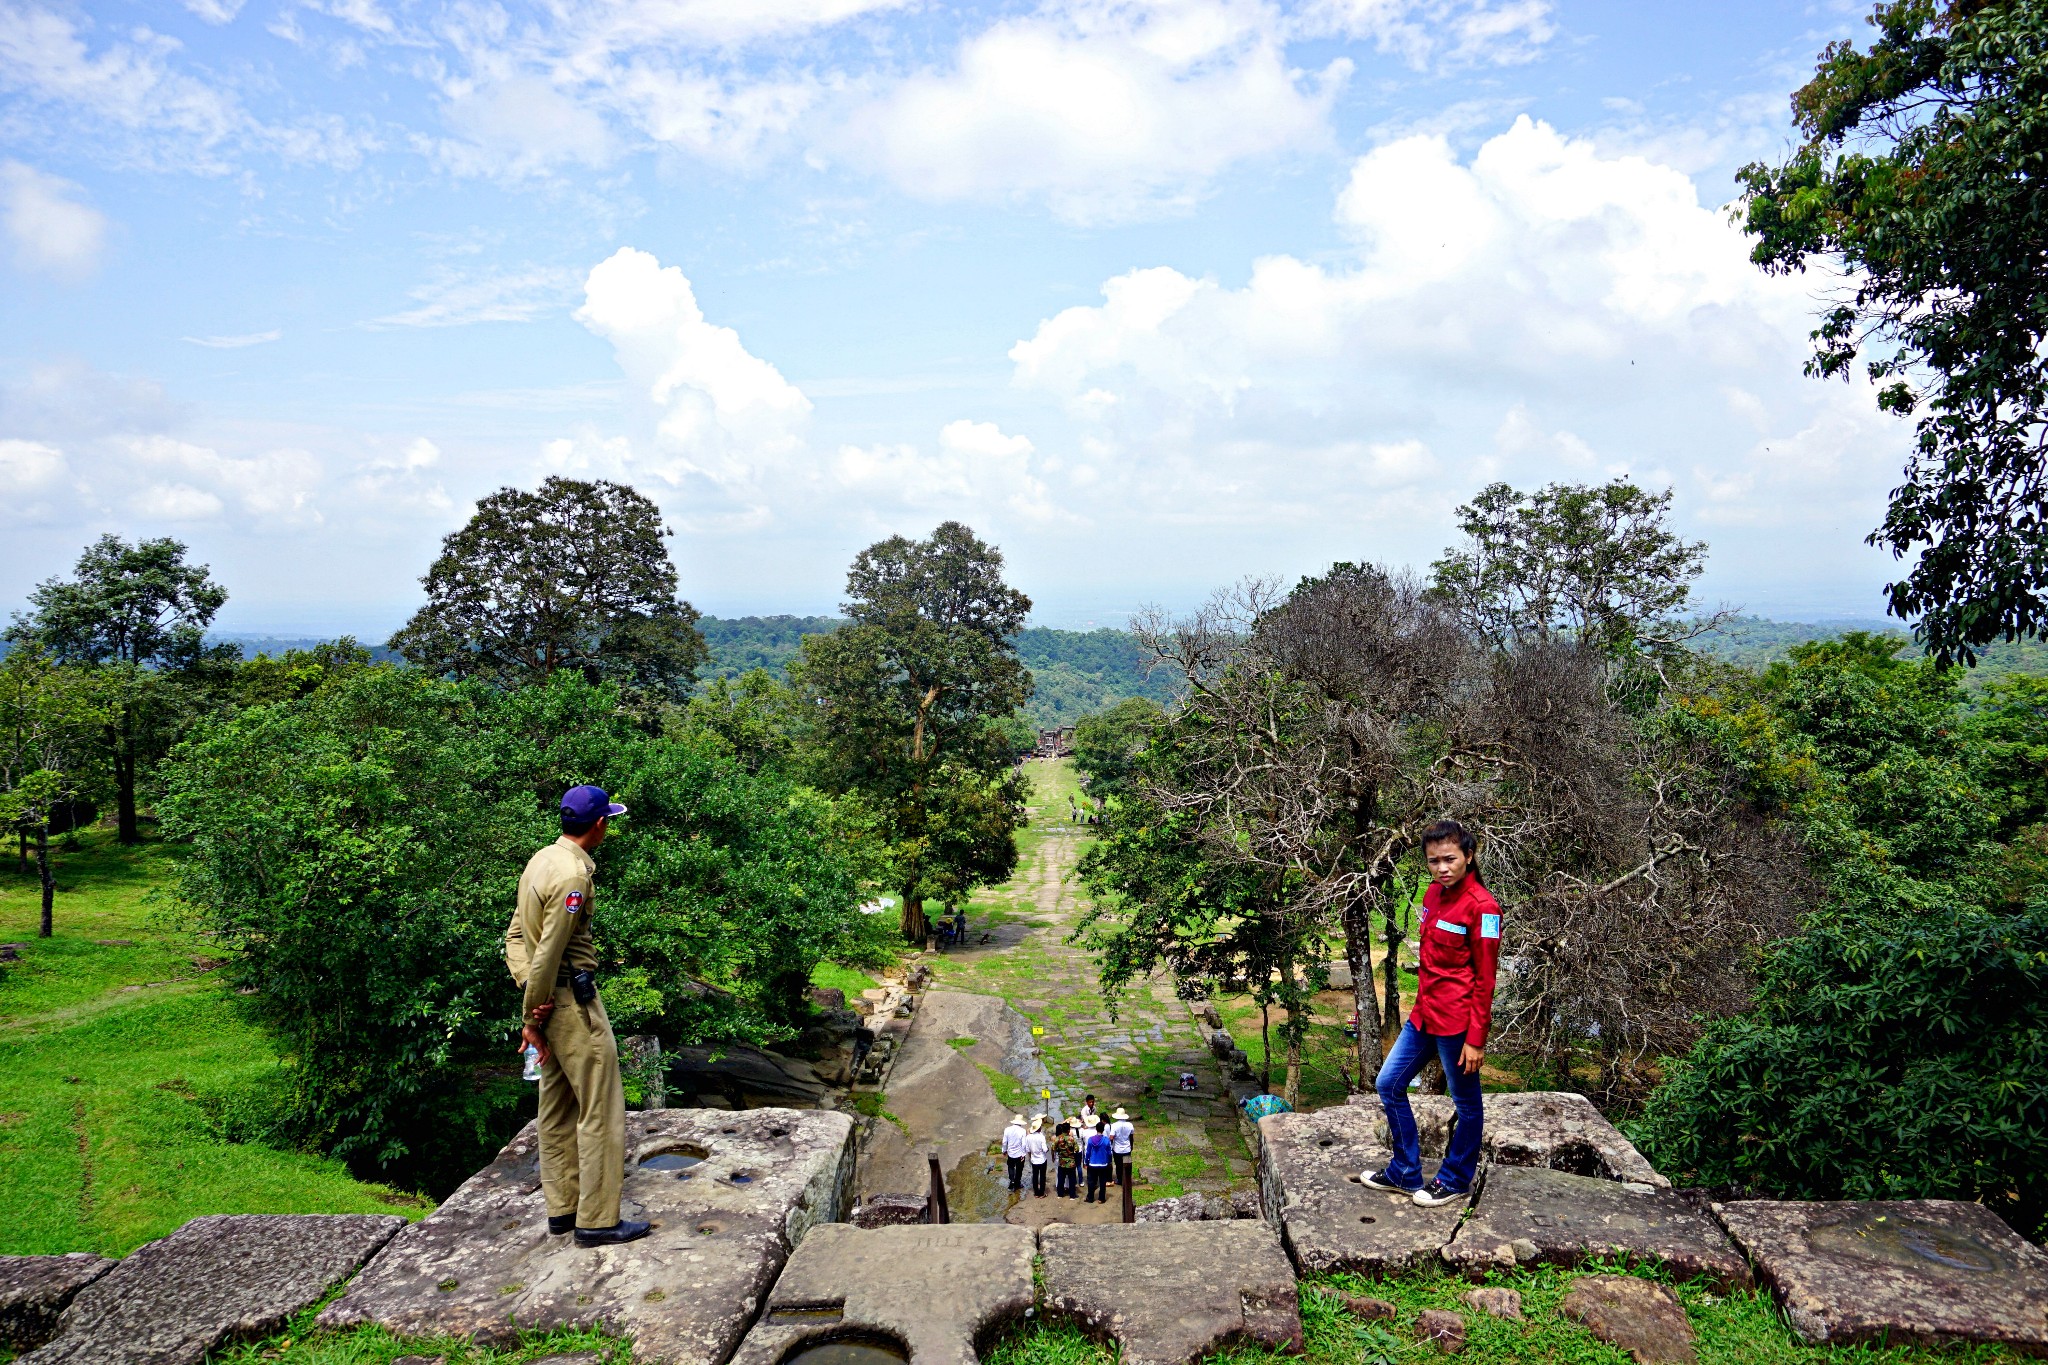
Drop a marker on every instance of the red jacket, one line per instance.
(1460, 953)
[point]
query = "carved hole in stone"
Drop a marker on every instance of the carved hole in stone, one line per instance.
(710, 1229)
(1578, 1158)
(677, 1159)
(742, 1178)
(778, 1132)
(1367, 1218)
(1353, 1177)
(728, 1130)
(1327, 1142)
(851, 1350)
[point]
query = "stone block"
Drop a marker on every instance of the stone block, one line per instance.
(35, 1291)
(1642, 1317)
(891, 1210)
(1340, 975)
(1308, 1182)
(1495, 1302)
(730, 1194)
(1530, 1215)
(1170, 1293)
(935, 1292)
(1909, 1270)
(1361, 1306)
(1553, 1128)
(222, 1278)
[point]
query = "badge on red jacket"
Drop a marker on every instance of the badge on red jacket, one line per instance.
(1489, 926)
(573, 902)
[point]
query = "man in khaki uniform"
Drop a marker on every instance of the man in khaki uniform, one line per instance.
(582, 1101)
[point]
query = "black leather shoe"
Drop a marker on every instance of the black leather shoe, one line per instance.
(561, 1223)
(618, 1234)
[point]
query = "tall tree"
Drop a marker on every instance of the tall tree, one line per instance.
(138, 613)
(907, 702)
(1919, 182)
(1597, 565)
(51, 755)
(574, 576)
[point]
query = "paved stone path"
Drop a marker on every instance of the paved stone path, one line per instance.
(1186, 1143)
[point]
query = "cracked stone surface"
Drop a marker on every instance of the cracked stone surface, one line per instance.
(1531, 1215)
(1919, 1270)
(1308, 1183)
(35, 1290)
(221, 1278)
(1641, 1317)
(1553, 1128)
(937, 1291)
(1170, 1293)
(483, 1265)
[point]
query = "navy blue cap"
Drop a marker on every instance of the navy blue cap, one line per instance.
(588, 803)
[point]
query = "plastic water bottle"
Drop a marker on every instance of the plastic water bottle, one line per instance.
(532, 1072)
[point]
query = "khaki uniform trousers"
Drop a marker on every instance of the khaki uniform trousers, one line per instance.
(582, 1115)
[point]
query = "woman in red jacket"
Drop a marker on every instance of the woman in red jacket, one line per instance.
(1460, 942)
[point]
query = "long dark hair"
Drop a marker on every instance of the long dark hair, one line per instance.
(1450, 831)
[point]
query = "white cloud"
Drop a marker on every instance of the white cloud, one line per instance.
(28, 467)
(53, 230)
(276, 486)
(1105, 109)
(518, 127)
(1539, 311)
(216, 11)
(235, 343)
(716, 411)
(452, 299)
(615, 25)
(174, 502)
(1439, 32)
(977, 470)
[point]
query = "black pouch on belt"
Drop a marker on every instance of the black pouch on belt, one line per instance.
(583, 985)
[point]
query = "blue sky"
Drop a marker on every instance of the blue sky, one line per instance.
(1152, 294)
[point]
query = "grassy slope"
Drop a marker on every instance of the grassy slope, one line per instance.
(111, 1058)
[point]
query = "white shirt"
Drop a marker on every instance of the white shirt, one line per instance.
(1036, 1146)
(1013, 1141)
(1120, 1134)
(1088, 1117)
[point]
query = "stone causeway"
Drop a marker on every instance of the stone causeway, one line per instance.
(752, 1260)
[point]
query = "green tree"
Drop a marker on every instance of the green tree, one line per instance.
(905, 698)
(1107, 743)
(1919, 183)
(356, 850)
(1596, 565)
(51, 754)
(138, 614)
(574, 576)
(1902, 1064)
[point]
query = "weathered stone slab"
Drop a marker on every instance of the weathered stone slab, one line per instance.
(484, 1266)
(934, 1291)
(1442, 1329)
(1308, 1183)
(1641, 1317)
(1170, 1293)
(221, 1278)
(1909, 1270)
(35, 1291)
(1553, 1128)
(1530, 1215)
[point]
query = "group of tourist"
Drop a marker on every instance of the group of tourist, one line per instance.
(1087, 1146)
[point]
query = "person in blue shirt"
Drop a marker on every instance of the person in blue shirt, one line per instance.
(1097, 1155)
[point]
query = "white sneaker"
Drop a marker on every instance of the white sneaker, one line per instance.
(1433, 1194)
(1377, 1180)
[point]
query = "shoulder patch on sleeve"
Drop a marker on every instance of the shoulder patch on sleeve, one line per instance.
(573, 902)
(1489, 926)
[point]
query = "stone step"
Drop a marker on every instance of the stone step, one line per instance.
(1170, 1293)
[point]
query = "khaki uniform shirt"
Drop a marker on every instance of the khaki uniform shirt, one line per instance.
(549, 936)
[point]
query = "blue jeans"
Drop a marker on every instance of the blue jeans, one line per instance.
(1410, 1051)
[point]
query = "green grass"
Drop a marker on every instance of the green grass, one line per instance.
(122, 1067)
(1011, 1093)
(831, 976)
(1742, 1329)
(962, 1042)
(301, 1344)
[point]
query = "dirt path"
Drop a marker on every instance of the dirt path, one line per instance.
(1186, 1142)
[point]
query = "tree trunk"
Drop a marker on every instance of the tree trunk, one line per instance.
(1265, 1051)
(1364, 999)
(915, 926)
(49, 880)
(22, 831)
(124, 781)
(1390, 1017)
(1294, 1026)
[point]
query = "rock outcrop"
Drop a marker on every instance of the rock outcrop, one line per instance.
(730, 1194)
(227, 1277)
(35, 1291)
(1308, 1181)
(1170, 1293)
(1552, 1128)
